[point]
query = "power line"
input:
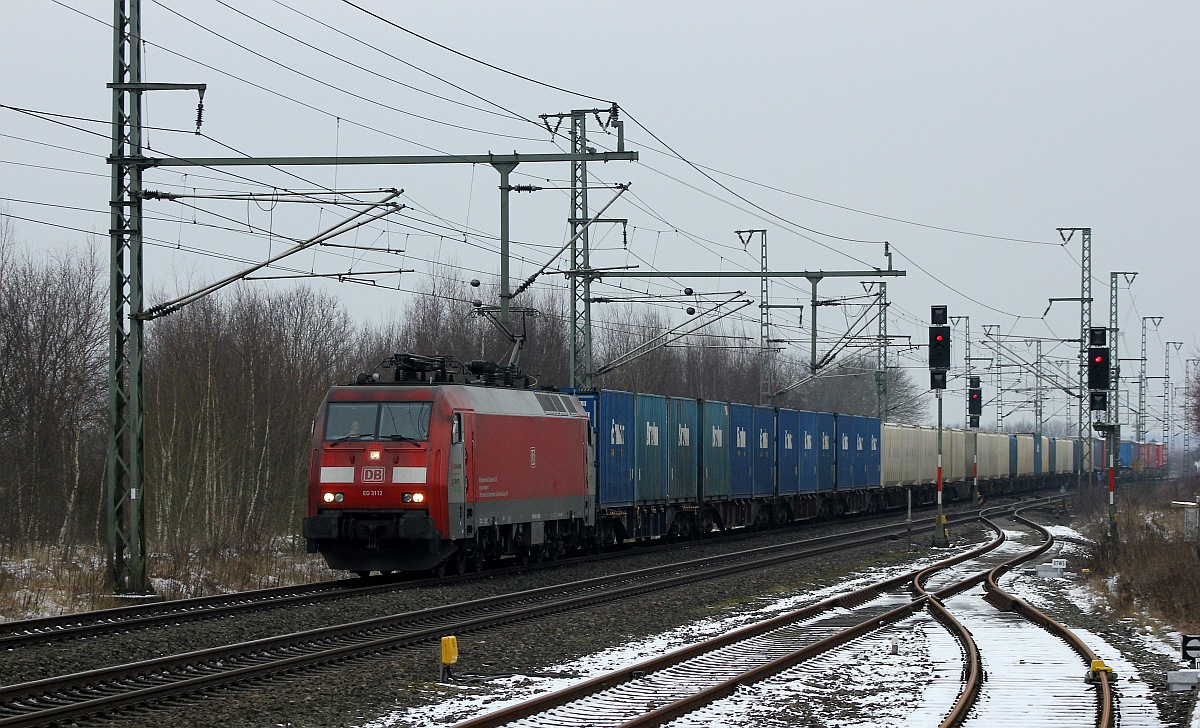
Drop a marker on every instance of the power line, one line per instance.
(507, 112)
(335, 87)
(477, 60)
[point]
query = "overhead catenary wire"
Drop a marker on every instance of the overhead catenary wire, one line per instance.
(342, 226)
(327, 84)
(1003, 312)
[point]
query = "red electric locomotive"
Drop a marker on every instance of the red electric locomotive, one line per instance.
(428, 473)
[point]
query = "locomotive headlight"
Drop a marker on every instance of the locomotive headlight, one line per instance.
(333, 497)
(418, 497)
(328, 497)
(374, 455)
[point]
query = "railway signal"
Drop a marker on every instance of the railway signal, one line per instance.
(939, 369)
(1098, 368)
(974, 400)
(939, 347)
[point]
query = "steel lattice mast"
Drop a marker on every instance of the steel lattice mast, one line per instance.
(581, 286)
(1085, 323)
(126, 519)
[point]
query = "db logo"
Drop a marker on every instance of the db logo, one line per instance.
(372, 475)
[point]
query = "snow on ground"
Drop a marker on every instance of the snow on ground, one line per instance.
(1136, 705)
(894, 690)
(458, 702)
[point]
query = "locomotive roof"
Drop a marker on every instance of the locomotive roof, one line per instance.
(482, 399)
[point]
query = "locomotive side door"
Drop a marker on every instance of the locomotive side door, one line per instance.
(456, 492)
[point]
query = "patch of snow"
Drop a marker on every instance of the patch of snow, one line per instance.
(456, 703)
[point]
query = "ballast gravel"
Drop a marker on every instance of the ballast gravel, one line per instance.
(364, 690)
(357, 692)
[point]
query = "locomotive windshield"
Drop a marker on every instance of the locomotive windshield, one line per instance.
(377, 421)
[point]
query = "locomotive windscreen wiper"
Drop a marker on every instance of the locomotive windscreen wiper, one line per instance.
(350, 437)
(398, 436)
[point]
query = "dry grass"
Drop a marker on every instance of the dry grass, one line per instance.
(49, 581)
(1150, 569)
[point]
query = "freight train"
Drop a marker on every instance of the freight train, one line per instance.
(451, 465)
(1136, 460)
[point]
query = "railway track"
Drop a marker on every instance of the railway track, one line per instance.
(696, 678)
(147, 616)
(102, 691)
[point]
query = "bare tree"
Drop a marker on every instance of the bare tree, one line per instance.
(232, 385)
(52, 372)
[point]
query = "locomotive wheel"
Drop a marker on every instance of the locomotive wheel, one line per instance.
(476, 564)
(457, 562)
(439, 571)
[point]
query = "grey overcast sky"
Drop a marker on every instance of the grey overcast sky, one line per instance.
(963, 134)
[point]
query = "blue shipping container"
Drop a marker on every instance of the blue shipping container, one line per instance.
(764, 451)
(874, 453)
(827, 451)
(861, 447)
(1129, 453)
(741, 456)
(715, 447)
(611, 412)
(788, 446)
(1037, 454)
(845, 452)
(810, 448)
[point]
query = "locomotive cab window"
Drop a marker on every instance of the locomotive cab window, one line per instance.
(378, 421)
(351, 420)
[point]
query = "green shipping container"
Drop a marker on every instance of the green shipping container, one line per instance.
(683, 450)
(714, 450)
(650, 454)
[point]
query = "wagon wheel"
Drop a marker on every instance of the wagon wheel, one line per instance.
(672, 534)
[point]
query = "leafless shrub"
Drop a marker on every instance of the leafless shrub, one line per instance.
(1149, 567)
